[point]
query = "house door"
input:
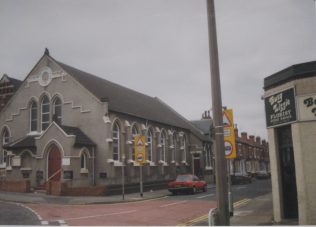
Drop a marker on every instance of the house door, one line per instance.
(54, 164)
(287, 167)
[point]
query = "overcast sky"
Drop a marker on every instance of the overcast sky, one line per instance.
(160, 47)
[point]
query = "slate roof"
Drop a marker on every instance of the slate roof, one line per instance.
(29, 141)
(128, 101)
(298, 71)
(204, 125)
(81, 138)
(25, 142)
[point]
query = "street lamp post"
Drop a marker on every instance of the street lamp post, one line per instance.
(221, 168)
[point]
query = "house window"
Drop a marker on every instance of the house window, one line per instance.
(45, 112)
(57, 110)
(134, 133)
(116, 141)
(149, 145)
(5, 140)
(163, 147)
(33, 116)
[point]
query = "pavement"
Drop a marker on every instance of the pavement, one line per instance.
(256, 211)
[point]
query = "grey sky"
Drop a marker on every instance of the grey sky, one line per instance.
(160, 47)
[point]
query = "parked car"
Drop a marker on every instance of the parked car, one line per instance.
(262, 175)
(240, 178)
(187, 183)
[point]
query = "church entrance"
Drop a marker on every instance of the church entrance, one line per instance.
(54, 164)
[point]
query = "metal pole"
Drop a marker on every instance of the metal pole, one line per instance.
(141, 180)
(230, 193)
(221, 172)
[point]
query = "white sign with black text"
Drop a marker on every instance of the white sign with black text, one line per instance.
(306, 107)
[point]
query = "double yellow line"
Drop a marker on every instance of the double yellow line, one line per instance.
(205, 216)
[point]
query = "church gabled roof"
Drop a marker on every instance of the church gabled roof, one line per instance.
(128, 101)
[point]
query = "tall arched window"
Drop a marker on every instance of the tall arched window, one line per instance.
(116, 141)
(184, 149)
(57, 110)
(33, 116)
(149, 145)
(173, 154)
(163, 146)
(134, 133)
(5, 140)
(83, 160)
(45, 112)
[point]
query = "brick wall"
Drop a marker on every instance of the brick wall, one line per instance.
(15, 186)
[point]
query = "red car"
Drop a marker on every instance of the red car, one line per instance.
(187, 183)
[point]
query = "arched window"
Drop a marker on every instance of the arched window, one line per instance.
(5, 140)
(173, 154)
(149, 145)
(45, 112)
(33, 116)
(83, 160)
(116, 141)
(57, 110)
(184, 149)
(134, 133)
(163, 146)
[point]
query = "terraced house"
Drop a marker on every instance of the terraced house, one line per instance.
(67, 126)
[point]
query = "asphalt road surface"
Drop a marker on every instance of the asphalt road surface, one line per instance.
(184, 209)
(17, 214)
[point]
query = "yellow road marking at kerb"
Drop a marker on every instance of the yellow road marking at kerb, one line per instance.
(205, 216)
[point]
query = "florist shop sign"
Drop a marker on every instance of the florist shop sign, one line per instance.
(280, 108)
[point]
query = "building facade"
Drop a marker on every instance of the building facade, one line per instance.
(66, 125)
(290, 107)
(252, 155)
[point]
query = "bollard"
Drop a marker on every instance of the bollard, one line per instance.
(213, 217)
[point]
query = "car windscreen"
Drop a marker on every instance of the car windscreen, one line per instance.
(184, 178)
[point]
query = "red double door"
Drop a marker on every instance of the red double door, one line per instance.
(54, 164)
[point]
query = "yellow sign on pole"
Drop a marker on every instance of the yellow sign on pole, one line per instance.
(229, 134)
(140, 149)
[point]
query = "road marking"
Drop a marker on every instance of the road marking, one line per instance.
(205, 216)
(99, 215)
(241, 202)
(33, 211)
(44, 222)
(171, 204)
(200, 197)
(241, 187)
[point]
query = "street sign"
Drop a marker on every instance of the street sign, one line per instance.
(229, 134)
(140, 149)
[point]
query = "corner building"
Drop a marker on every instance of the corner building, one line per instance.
(290, 106)
(67, 126)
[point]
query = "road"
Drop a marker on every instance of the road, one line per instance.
(17, 214)
(169, 210)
